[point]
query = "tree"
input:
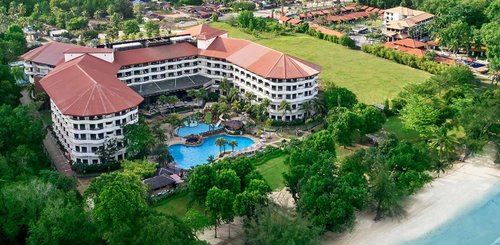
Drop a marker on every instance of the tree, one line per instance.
(224, 86)
(152, 28)
(141, 168)
(219, 204)
(458, 35)
(131, 27)
(77, 23)
(279, 227)
(372, 119)
(344, 127)
(421, 114)
(211, 159)
(387, 197)
(306, 107)
(220, 142)
(227, 179)
(118, 201)
(139, 140)
(445, 143)
(113, 26)
(215, 17)
(21, 203)
(490, 34)
(233, 143)
(107, 152)
(285, 107)
(200, 180)
(156, 228)
(63, 221)
(339, 97)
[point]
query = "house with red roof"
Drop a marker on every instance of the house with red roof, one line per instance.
(409, 46)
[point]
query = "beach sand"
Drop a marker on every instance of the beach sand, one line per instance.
(447, 196)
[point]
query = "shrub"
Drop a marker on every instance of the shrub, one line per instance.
(422, 63)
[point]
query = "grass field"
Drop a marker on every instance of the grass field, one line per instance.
(395, 125)
(272, 171)
(373, 79)
(177, 205)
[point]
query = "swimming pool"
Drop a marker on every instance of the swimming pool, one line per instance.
(479, 225)
(190, 156)
(194, 128)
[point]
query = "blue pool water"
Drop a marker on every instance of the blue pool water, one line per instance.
(196, 128)
(479, 225)
(189, 156)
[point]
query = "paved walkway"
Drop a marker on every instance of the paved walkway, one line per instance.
(56, 155)
(59, 161)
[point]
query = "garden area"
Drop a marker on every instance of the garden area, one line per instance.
(372, 79)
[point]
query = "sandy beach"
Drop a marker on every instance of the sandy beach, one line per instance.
(447, 196)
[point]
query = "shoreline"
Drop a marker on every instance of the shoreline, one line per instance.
(441, 201)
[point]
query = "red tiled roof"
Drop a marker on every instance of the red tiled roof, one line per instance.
(413, 51)
(82, 49)
(295, 21)
(150, 54)
(369, 9)
(260, 60)
(364, 7)
(445, 60)
(410, 43)
(203, 32)
(327, 31)
(284, 18)
(50, 54)
(348, 17)
(87, 86)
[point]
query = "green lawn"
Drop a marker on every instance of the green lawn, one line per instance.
(373, 79)
(272, 171)
(395, 125)
(177, 205)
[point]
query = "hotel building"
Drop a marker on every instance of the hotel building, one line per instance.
(94, 92)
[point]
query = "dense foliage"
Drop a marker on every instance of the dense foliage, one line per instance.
(228, 188)
(422, 63)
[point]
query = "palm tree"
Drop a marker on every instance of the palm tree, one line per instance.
(249, 96)
(221, 142)
(202, 94)
(224, 86)
(233, 143)
(444, 143)
(318, 105)
(306, 107)
(172, 100)
(266, 103)
(211, 159)
(285, 107)
(232, 95)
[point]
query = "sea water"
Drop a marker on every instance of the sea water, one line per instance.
(477, 226)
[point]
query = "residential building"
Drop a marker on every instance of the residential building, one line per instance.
(402, 22)
(94, 92)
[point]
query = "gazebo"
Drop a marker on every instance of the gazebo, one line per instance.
(234, 126)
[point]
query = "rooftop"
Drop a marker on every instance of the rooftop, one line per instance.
(87, 86)
(49, 54)
(203, 32)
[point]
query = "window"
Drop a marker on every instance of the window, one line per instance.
(119, 132)
(77, 148)
(84, 149)
(94, 149)
(95, 161)
(85, 161)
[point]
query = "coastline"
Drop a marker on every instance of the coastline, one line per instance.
(444, 199)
